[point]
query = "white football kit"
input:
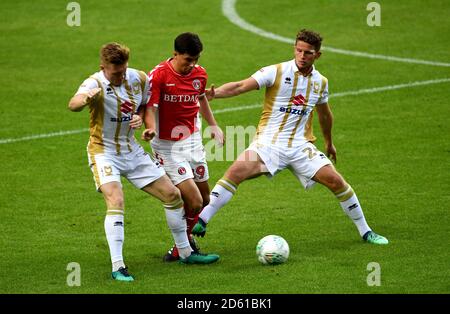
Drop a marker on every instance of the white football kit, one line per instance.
(112, 149)
(284, 137)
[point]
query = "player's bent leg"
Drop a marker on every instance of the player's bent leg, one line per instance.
(200, 230)
(349, 202)
(191, 196)
(248, 165)
(192, 204)
(170, 196)
(328, 176)
(204, 189)
(177, 225)
(163, 189)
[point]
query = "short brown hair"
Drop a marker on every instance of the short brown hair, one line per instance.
(310, 37)
(114, 53)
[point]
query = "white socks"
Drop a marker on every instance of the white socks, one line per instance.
(178, 227)
(350, 204)
(220, 195)
(115, 235)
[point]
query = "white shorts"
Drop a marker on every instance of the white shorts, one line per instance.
(137, 166)
(303, 161)
(182, 160)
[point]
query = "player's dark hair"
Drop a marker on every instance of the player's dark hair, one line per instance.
(114, 53)
(310, 37)
(188, 43)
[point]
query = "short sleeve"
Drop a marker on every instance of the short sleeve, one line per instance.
(146, 90)
(154, 92)
(265, 77)
(323, 97)
(86, 86)
(203, 85)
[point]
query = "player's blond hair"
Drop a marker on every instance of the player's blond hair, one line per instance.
(114, 53)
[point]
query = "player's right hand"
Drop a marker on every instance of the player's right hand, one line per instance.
(210, 93)
(217, 134)
(148, 134)
(93, 93)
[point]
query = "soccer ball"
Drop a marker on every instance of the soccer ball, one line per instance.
(272, 250)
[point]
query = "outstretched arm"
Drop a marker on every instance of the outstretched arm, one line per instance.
(232, 89)
(326, 123)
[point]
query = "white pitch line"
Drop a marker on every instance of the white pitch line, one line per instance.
(38, 136)
(390, 87)
(218, 111)
(229, 10)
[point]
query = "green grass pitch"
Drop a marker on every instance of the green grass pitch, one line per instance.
(393, 148)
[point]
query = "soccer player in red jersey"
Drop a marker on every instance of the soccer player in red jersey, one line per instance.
(177, 96)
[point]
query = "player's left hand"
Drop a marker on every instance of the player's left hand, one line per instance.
(136, 122)
(331, 152)
(217, 134)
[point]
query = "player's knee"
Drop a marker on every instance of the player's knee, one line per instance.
(336, 183)
(236, 174)
(115, 201)
(194, 202)
(172, 195)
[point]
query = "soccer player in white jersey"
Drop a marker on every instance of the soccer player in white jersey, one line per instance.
(284, 136)
(114, 95)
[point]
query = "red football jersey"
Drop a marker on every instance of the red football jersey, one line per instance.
(176, 97)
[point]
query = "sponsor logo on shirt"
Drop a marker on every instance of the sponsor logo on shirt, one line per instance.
(127, 109)
(181, 98)
(299, 112)
(298, 100)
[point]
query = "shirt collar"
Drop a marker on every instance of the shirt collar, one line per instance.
(104, 80)
(295, 68)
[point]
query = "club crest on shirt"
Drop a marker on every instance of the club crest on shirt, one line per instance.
(316, 87)
(136, 88)
(196, 84)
